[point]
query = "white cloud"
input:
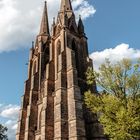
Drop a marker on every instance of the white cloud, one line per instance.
(10, 111)
(114, 54)
(83, 8)
(20, 20)
(9, 117)
(12, 126)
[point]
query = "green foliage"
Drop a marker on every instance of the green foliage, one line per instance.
(3, 136)
(118, 105)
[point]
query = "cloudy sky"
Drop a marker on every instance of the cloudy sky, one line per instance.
(112, 28)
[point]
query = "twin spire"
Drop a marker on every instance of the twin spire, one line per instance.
(44, 29)
(65, 6)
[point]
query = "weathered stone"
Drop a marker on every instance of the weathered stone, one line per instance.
(52, 106)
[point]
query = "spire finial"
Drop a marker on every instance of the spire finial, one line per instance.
(45, 3)
(81, 26)
(44, 29)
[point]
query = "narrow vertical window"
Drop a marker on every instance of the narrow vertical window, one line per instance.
(58, 54)
(47, 55)
(58, 48)
(34, 68)
(74, 48)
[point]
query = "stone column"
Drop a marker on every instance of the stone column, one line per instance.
(31, 119)
(23, 112)
(75, 109)
(60, 98)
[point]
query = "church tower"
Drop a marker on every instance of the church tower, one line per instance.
(52, 104)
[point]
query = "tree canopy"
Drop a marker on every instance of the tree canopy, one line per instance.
(118, 102)
(3, 136)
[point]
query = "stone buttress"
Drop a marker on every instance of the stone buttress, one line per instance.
(52, 105)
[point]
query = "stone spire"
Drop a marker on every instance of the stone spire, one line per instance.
(66, 4)
(44, 29)
(81, 27)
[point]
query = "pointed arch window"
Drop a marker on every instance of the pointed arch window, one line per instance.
(34, 68)
(58, 55)
(72, 29)
(75, 50)
(58, 48)
(47, 54)
(73, 45)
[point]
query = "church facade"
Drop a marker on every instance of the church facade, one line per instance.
(53, 105)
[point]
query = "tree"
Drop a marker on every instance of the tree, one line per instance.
(118, 102)
(3, 136)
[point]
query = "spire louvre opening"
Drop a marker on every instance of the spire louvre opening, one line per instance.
(67, 4)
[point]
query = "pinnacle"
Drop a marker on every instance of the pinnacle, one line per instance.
(80, 25)
(44, 29)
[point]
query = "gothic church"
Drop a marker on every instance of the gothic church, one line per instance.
(52, 105)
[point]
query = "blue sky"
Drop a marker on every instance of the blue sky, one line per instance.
(13, 74)
(114, 22)
(113, 29)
